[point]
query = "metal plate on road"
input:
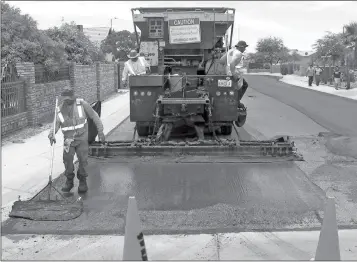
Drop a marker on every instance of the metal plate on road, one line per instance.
(224, 83)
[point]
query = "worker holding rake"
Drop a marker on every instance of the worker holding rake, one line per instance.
(71, 117)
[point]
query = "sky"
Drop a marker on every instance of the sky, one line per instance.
(298, 23)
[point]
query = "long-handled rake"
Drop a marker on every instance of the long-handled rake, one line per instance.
(47, 209)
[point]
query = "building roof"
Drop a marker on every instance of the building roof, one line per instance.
(302, 53)
(96, 34)
(181, 9)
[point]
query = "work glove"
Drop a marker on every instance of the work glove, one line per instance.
(52, 139)
(101, 137)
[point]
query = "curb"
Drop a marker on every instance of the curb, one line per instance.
(278, 78)
(271, 76)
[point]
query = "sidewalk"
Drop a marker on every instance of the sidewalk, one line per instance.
(26, 167)
(303, 82)
(291, 245)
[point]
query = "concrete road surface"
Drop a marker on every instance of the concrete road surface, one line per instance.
(182, 198)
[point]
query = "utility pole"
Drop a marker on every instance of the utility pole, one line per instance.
(238, 33)
(111, 22)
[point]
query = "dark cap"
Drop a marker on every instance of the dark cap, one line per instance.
(241, 44)
(67, 92)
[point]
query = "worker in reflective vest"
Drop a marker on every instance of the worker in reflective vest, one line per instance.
(72, 119)
(234, 62)
(135, 66)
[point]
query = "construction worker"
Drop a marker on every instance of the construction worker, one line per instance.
(72, 119)
(213, 65)
(234, 66)
(134, 66)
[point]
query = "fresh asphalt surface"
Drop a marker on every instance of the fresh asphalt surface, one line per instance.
(336, 114)
(204, 197)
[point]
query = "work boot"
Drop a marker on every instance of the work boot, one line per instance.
(82, 188)
(68, 186)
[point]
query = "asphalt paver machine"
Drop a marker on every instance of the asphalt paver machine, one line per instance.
(177, 108)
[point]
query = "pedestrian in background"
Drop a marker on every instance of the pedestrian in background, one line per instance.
(318, 72)
(310, 74)
(337, 77)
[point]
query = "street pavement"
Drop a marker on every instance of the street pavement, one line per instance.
(337, 114)
(176, 198)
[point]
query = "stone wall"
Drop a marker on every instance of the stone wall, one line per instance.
(107, 81)
(85, 82)
(90, 82)
(13, 123)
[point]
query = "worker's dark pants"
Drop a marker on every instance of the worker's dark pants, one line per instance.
(242, 91)
(317, 79)
(311, 79)
(81, 148)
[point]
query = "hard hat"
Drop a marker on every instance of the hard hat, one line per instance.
(67, 91)
(241, 44)
(133, 54)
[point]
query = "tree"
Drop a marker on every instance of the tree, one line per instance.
(256, 58)
(119, 43)
(351, 35)
(21, 41)
(78, 47)
(330, 45)
(272, 48)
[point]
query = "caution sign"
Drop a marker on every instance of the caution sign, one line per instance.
(150, 50)
(184, 31)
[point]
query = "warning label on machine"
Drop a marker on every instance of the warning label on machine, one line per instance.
(184, 31)
(150, 50)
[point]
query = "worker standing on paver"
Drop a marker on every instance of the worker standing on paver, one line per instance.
(72, 117)
(213, 66)
(134, 66)
(234, 65)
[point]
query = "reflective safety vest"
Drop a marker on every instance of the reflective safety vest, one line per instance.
(141, 70)
(77, 123)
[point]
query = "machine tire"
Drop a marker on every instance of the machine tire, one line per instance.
(241, 121)
(142, 130)
(226, 130)
(241, 118)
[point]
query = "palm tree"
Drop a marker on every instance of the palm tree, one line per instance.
(351, 34)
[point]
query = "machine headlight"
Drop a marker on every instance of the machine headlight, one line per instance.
(142, 93)
(148, 93)
(225, 93)
(218, 93)
(231, 93)
(136, 93)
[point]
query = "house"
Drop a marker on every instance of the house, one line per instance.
(305, 58)
(97, 35)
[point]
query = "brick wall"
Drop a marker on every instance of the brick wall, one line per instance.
(85, 82)
(91, 83)
(121, 68)
(45, 99)
(107, 81)
(13, 123)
